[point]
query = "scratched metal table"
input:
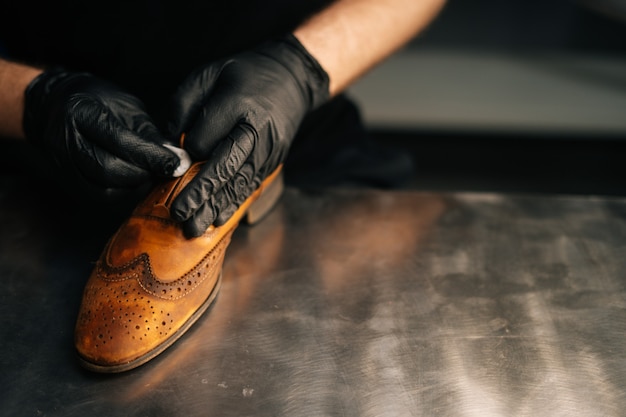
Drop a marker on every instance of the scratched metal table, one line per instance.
(343, 303)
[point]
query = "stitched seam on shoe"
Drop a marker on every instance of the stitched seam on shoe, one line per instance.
(145, 261)
(104, 275)
(173, 284)
(157, 218)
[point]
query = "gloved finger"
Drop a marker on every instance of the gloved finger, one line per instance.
(96, 124)
(220, 207)
(220, 114)
(141, 123)
(132, 113)
(189, 99)
(219, 169)
(200, 221)
(228, 199)
(100, 167)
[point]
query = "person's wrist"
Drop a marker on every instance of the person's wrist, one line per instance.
(14, 78)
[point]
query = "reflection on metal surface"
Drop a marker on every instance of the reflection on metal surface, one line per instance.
(348, 303)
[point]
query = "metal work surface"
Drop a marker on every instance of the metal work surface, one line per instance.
(343, 303)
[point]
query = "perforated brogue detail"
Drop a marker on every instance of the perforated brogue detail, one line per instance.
(141, 270)
(128, 312)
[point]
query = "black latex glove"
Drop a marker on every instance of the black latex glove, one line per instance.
(100, 138)
(240, 116)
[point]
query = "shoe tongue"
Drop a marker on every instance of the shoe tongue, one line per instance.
(158, 202)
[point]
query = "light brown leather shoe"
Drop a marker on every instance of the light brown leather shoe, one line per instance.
(151, 283)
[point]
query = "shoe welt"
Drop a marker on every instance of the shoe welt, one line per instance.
(151, 284)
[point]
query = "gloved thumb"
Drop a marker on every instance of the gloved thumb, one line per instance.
(188, 100)
(220, 115)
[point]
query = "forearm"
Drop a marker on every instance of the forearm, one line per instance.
(14, 78)
(351, 36)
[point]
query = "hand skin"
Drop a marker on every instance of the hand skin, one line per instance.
(14, 78)
(351, 36)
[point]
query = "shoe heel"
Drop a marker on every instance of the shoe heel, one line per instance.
(266, 201)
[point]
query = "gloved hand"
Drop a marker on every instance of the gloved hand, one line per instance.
(100, 137)
(240, 116)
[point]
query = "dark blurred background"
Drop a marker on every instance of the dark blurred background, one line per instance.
(509, 95)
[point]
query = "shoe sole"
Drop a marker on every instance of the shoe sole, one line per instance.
(266, 202)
